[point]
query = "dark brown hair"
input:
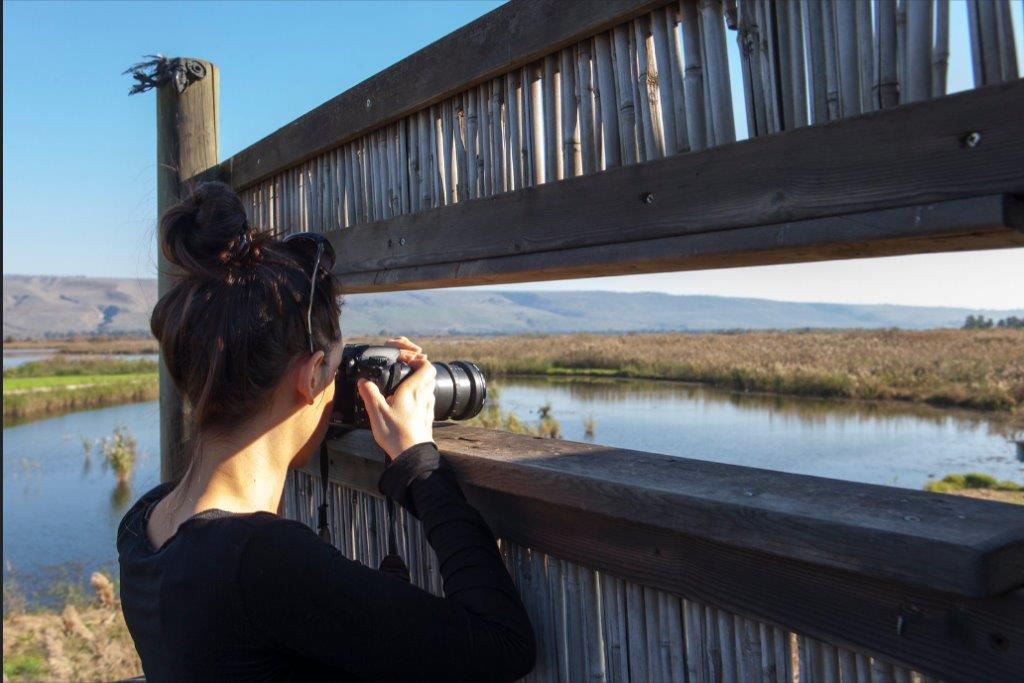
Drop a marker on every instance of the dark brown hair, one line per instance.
(236, 319)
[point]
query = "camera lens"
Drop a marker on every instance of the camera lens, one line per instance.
(460, 390)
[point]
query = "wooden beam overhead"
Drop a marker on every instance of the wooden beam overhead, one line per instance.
(801, 195)
(510, 36)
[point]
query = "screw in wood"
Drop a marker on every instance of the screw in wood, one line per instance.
(647, 197)
(972, 139)
(369, 103)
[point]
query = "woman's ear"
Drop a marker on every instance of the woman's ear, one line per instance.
(307, 383)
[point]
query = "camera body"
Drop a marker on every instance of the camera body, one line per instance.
(459, 393)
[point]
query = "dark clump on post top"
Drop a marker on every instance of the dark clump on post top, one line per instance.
(236, 318)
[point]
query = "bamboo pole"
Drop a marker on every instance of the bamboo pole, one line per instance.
(495, 135)
(845, 18)
(609, 132)
(571, 161)
(676, 70)
(693, 86)
(814, 46)
(761, 28)
(472, 156)
(624, 95)
(693, 80)
(483, 110)
(433, 123)
(835, 110)
(512, 123)
(585, 90)
(727, 644)
(940, 51)
(647, 90)
(750, 54)
(887, 77)
(865, 55)
(712, 645)
(461, 163)
(717, 66)
(919, 51)
(448, 146)
(598, 111)
(639, 669)
(394, 199)
(901, 48)
(187, 142)
(552, 155)
(796, 74)
(662, 61)
(1007, 53)
(535, 141)
(693, 632)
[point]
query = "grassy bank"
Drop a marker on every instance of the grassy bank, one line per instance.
(978, 369)
(88, 345)
(85, 641)
(978, 485)
(55, 386)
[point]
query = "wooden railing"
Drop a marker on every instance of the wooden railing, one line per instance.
(645, 567)
(551, 140)
(555, 139)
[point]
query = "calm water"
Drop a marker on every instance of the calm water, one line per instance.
(61, 509)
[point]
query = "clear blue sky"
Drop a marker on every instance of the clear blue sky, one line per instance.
(79, 169)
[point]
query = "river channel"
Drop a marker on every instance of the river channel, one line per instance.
(61, 508)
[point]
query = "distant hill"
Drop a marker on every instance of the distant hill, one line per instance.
(41, 306)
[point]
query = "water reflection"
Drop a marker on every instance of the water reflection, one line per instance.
(610, 391)
(121, 497)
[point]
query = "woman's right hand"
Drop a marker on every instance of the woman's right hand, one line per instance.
(406, 417)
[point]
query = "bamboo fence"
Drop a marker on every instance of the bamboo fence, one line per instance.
(655, 86)
(594, 626)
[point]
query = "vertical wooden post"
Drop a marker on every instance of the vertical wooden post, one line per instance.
(188, 133)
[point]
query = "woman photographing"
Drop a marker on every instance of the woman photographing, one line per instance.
(214, 584)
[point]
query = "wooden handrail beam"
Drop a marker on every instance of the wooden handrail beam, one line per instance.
(919, 577)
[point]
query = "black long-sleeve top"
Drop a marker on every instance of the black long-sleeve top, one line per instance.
(255, 597)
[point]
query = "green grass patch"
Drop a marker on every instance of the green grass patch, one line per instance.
(971, 480)
(43, 383)
(61, 367)
(24, 664)
(56, 400)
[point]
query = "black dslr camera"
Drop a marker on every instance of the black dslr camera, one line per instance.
(459, 394)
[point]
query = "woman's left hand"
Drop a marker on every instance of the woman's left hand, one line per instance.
(410, 352)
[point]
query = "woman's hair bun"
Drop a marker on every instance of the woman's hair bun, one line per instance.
(208, 232)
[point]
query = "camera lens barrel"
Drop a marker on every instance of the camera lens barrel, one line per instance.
(459, 392)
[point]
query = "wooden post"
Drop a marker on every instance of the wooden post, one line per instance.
(188, 132)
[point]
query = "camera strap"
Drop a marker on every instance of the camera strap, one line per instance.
(393, 564)
(325, 467)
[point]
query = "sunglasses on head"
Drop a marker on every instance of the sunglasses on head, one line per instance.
(312, 248)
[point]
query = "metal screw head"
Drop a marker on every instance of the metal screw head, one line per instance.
(647, 197)
(402, 241)
(369, 103)
(972, 139)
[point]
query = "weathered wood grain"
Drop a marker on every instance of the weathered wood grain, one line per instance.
(904, 156)
(188, 138)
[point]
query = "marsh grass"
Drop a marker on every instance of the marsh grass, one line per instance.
(978, 485)
(977, 369)
(493, 416)
(119, 451)
(55, 385)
